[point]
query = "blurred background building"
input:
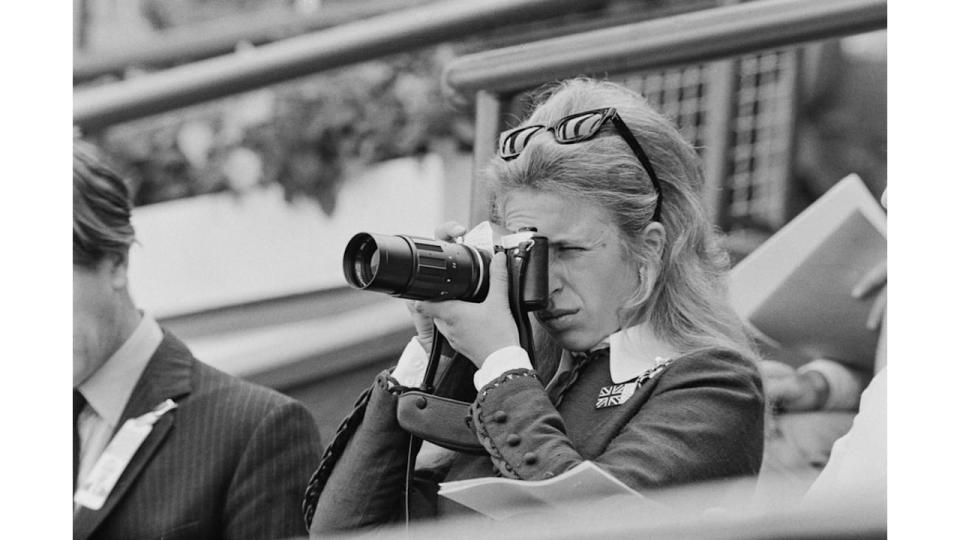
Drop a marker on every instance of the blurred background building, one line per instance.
(246, 198)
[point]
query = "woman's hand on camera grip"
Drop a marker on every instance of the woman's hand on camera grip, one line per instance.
(477, 330)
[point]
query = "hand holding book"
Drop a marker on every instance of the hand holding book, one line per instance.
(875, 280)
(803, 289)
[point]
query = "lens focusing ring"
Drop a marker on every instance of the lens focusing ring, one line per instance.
(481, 270)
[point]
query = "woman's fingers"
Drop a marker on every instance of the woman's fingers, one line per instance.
(871, 281)
(773, 369)
(499, 279)
(423, 325)
(449, 231)
(877, 311)
(433, 310)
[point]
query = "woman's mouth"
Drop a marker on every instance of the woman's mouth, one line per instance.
(556, 317)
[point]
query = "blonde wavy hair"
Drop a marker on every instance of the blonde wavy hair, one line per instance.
(687, 304)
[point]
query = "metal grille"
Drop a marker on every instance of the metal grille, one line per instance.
(761, 126)
(763, 132)
(680, 95)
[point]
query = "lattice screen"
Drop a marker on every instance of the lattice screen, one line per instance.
(760, 127)
(680, 95)
(760, 153)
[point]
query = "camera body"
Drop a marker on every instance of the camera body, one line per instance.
(419, 268)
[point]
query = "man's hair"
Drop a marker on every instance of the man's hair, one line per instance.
(687, 304)
(101, 209)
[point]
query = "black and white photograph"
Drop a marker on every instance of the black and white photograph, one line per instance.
(519, 269)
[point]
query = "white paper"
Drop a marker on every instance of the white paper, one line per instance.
(501, 498)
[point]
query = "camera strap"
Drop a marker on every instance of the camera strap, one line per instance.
(441, 420)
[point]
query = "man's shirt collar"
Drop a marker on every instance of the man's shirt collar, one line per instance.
(108, 389)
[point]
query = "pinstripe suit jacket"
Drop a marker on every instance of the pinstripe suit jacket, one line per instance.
(230, 462)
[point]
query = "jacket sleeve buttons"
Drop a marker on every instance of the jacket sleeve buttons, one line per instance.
(499, 417)
(513, 439)
(529, 458)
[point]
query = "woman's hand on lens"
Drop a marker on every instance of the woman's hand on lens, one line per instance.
(476, 330)
(424, 326)
(447, 232)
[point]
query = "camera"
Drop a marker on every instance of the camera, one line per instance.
(426, 269)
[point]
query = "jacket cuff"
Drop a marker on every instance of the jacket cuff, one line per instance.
(499, 362)
(500, 431)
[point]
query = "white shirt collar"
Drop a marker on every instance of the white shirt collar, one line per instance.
(633, 351)
(108, 389)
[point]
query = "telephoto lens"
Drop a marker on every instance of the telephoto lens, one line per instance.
(416, 268)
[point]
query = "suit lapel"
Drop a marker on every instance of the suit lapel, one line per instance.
(167, 375)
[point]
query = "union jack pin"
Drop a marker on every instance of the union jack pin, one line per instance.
(618, 394)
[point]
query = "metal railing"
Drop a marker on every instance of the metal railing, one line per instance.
(700, 36)
(346, 44)
(221, 36)
(491, 79)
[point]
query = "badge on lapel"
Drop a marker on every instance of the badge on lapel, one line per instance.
(95, 489)
(618, 394)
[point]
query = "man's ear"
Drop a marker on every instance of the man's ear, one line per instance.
(117, 268)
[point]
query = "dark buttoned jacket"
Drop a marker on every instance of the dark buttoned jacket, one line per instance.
(699, 418)
(229, 462)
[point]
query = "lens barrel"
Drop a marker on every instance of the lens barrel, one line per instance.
(416, 268)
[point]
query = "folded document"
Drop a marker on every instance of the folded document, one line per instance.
(501, 498)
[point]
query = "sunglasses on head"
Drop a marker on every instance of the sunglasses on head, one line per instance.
(576, 128)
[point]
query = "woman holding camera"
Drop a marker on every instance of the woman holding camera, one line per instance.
(655, 381)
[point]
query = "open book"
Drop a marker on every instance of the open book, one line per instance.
(501, 498)
(794, 290)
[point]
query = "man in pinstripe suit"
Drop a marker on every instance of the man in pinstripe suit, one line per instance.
(164, 445)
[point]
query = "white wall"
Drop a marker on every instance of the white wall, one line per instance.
(223, 249)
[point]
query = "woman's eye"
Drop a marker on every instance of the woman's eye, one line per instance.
(572, 248)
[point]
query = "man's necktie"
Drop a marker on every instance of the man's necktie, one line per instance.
(78, 403)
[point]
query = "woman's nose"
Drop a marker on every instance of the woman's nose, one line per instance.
(554, 277)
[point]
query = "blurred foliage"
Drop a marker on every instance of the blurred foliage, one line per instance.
(359, 116)
(303, 135)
